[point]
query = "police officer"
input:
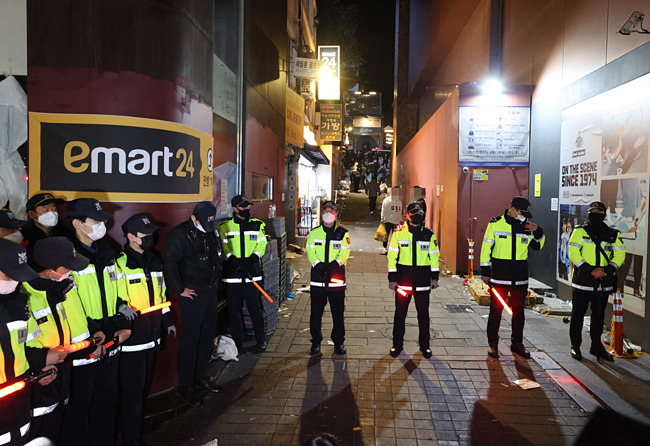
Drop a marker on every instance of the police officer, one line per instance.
(504, 267)
(143, 287)
(413, 269)
(328, 249)
(244, 243)
(10, 226)
(596, 252)
(43, 214)
(17, 327)
(90, 416)
(56, 258)
(192, 267)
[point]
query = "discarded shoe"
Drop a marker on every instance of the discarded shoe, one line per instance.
(576, 353)
(519, 349)
(396, 350)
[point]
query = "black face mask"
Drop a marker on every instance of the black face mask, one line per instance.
(244, 213)
(416, 219)
(596, 218)
(146, 242)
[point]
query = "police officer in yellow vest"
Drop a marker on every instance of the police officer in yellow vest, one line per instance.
(244, 243)
(504, 267)
(413, 269)
(328, 249)
(596, 252)
(89, 418)
(55, 258)
(143, 287)
(17, 327)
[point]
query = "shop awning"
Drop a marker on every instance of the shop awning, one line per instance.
(314, 154)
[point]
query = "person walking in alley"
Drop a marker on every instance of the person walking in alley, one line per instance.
(372, 189)
(391, 213)
(413, 269)
(596, 251)
(504, 267)
(328, 249)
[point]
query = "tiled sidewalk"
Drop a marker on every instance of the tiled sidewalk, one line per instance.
(284, 397)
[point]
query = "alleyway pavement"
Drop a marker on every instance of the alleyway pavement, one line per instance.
(458, 397)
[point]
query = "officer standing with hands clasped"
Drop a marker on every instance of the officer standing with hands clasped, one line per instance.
(596, 252)
(504, 267)
(244, 243)
(328, 249)
(413, 269)
(192, 266)
(143, 287)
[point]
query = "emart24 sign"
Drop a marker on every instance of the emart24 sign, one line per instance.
(118, 158)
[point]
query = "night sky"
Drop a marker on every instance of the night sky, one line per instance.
(375, 38)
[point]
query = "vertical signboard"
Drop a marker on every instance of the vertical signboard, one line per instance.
(294, 118)
(329, 79)
(118, 158)
(494, 136)
(331, 122)
(604, 157)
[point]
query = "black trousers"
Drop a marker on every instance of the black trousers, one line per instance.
(399, 321)
(581, 300)
(319, 298)
(136, 372)
(238, 293)
(372, 202)
(516, 303)
(199, 328)
(89, 417)
(389, 229)
(15, 413)
(49, 424)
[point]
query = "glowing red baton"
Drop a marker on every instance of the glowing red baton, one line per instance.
(262, 291)
(15, 387)
(337, 281)
(503, 302)
(76, 346)
(154, 308)
(401, 292)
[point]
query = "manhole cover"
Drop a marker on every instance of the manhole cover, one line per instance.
(411, 333)
(458, 308)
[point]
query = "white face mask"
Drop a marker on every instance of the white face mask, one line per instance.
(329, 218)
(61, 276)
(8, 286)
(199, 227)
(16, 237)
(521, 217)
(99, 231)
(49, 219)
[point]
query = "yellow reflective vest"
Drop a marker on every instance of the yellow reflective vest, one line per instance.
(52, 320)
(242, 240)
(326, 245)
(585, 257)
(17, 328)
(504, 252)
(413, 258)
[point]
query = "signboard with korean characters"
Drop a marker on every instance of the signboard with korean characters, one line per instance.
(331, 122)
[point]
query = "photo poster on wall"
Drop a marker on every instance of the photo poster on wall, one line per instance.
(604, 157)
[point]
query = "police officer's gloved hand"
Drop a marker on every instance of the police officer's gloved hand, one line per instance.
(171, 332)
(321, 268)
(333, 265)
(392, 285)
(434, 284)
(128, 312)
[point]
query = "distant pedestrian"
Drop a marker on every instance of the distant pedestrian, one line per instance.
(372, 189)
(381, 173)
(391, 213)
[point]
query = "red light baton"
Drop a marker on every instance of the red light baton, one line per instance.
(15, 387)
(401, 292)
(262, 291)
(503, 302)
(337, 281)
(76, 346)
(154, 308)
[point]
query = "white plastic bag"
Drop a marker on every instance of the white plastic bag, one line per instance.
(226, 348)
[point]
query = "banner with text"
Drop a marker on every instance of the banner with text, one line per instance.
(118, 158)
(331, 122)
(604, 157)
(295, 118)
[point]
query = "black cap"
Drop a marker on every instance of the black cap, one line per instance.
(206, 214)
(88, 207)
(9, 221)
(53, 252)
(329, 204)
(240, 201)
(138, 223)
(13, 262)
(597, 205)
(413, 208)
(523, 205)
(42, 199)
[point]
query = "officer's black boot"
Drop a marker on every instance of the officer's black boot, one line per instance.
(340, 349)
(493, 349)
(426, 351)
(396, 350)
(519, 349)
(576, 353)
(315, 349)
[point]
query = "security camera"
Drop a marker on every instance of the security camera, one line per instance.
(465, 169)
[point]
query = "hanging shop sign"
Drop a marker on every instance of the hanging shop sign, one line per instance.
(294, 119)
(331, 122)
(306, 68)
(118, 158)
(494, 136)
(329, 76)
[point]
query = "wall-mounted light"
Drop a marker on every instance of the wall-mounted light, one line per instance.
(492, 87)
(634, 25)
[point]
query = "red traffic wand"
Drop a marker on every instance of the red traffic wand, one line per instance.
(503, 302)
